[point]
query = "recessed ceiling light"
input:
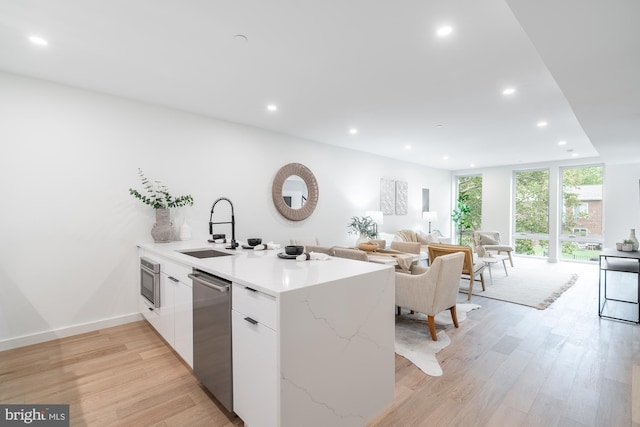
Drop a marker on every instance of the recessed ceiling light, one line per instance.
(241, 38)
(445, 157)
(407, 147)
(353, 131)
(509, 91)
(38, 40)
(439, 126)
(562, 142)
(472, 165)
(444, 31)
(574, 154)
(272, 107)
(541, 124)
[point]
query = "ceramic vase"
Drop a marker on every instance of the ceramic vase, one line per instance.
(185, 232)
(161, 231)
(633, 238)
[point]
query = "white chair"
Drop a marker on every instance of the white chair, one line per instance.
(484, 241)
(430, 290)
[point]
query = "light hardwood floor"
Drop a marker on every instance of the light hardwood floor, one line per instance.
(507, 365)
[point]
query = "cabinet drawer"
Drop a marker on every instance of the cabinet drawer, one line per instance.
(177, 271)
(255, 304)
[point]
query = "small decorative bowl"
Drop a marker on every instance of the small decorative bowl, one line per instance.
(254, 241)
(294, 250)
(368, 246)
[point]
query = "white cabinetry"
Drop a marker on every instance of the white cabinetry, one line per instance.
(183, 322)
(165, 324)
(173, 319)
(255, 363)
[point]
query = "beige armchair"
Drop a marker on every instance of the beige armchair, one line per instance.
(304, 241)
(430, 290)
(406, 247)
(470, 269)
(484, 241)
(356, 254)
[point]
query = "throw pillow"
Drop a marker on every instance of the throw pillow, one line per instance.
(480, 251)
(423, 239)
(427, 239)
(488, 240)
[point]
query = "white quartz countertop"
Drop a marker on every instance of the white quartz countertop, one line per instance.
(262, 270)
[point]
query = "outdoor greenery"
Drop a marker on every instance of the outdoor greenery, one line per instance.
(532, 209)
(157, 195)
(468, 212)
(362, 225)
(572, 179)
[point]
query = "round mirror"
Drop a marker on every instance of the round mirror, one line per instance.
(295, 191)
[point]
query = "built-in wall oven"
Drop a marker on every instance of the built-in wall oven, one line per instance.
(150, 281)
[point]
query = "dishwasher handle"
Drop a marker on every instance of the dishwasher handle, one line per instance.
(196, 278)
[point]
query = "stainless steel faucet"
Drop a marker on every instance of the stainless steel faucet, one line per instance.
(234, 244)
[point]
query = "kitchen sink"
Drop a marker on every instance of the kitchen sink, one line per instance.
(204, 253)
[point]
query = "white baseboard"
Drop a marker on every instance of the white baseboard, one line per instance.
(67, 332)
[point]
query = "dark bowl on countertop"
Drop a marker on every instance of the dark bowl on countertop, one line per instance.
(294, 250)
(254, 241)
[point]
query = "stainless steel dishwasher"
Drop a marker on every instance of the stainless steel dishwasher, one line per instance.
(212, 335)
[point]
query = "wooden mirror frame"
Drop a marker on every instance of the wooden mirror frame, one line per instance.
(312, 188)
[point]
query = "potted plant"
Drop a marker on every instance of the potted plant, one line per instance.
(461, 215)
(363, 226)
(627, 245)
(158, 197)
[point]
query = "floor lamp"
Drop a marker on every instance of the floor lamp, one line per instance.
(431, 216)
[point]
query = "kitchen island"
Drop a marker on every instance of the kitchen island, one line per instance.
(322, 350)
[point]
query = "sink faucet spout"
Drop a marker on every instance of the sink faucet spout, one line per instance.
(232, 222)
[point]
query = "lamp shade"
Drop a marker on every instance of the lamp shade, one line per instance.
(376, 216)
(431, 216)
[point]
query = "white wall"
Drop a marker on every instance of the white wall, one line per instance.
(622, 202)
(69, 226)
(621, 197)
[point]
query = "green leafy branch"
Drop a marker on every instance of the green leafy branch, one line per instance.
(157, 195)
(362, 225)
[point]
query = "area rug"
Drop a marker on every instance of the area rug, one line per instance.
(524, 285)
(413, 340)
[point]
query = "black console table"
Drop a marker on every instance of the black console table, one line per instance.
(626, 262)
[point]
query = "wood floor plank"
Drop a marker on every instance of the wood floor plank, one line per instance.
(507, 365)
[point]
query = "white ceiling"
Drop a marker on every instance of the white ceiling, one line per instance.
(331, 65)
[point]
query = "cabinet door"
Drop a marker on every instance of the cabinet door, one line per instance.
(165, 319)
(255, 372)
(184, 322)
(148, 312)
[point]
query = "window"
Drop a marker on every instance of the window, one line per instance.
(467, 215)
(532, 212)
(580, 231)
(581, 211)
(581, 234)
